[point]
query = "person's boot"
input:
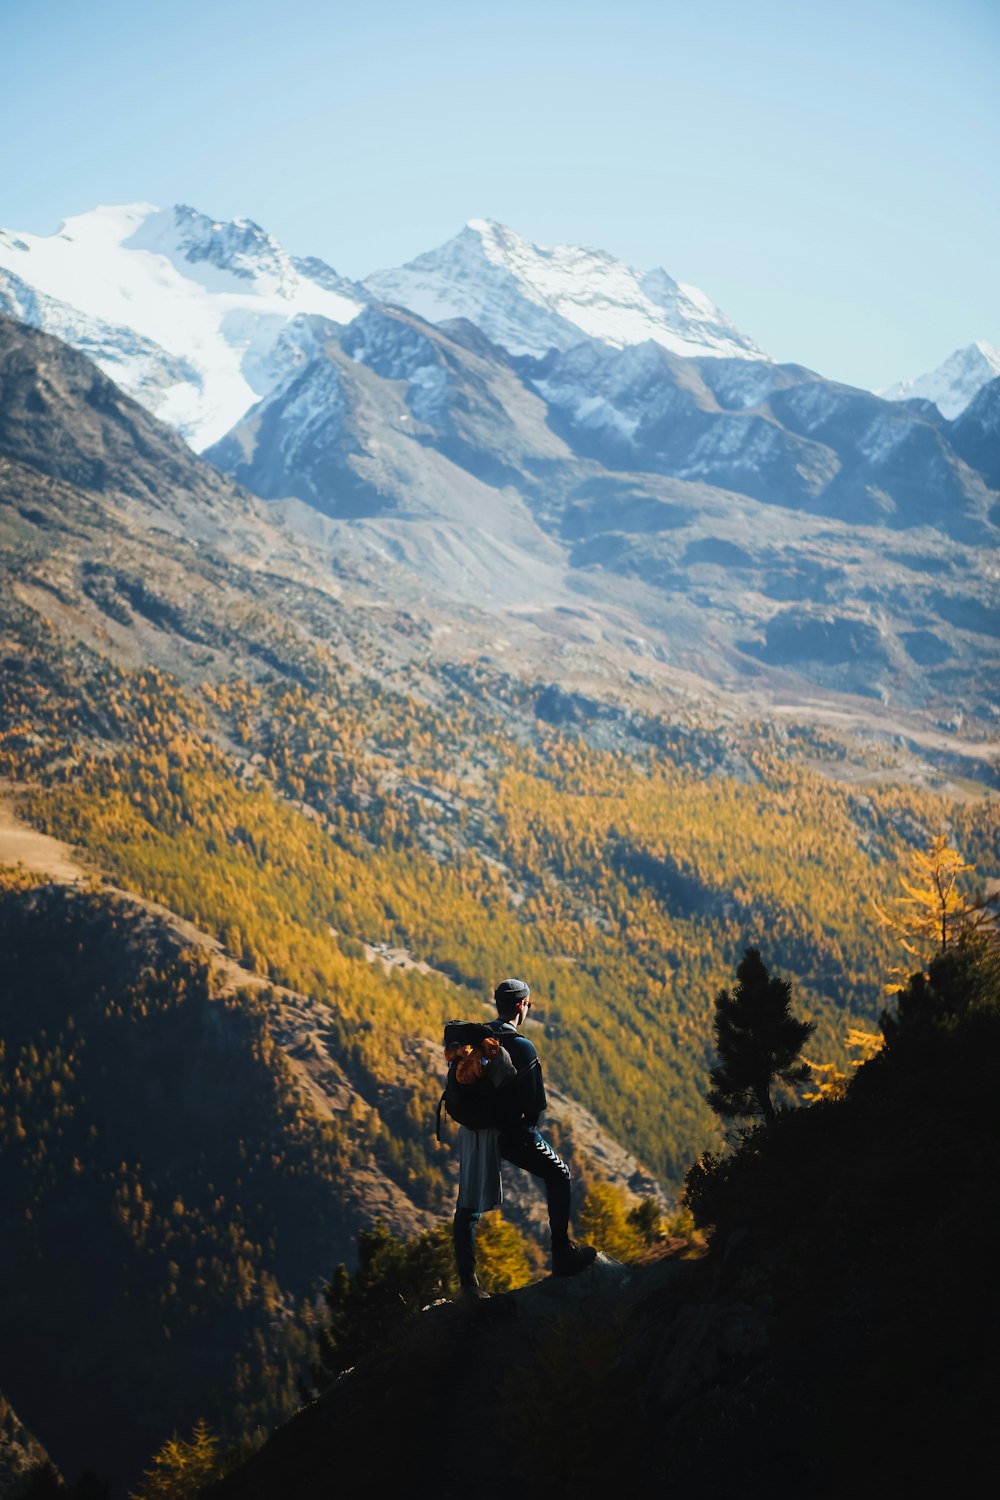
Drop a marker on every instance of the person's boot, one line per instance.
(471, 1288)
(569, 1258)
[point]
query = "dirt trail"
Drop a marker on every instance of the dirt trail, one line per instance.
(25, 846)
(20, 844)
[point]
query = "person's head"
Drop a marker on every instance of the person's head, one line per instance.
(513, 1000)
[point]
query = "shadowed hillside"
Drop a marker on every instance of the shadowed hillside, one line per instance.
(838, 1339)
(168, 1193)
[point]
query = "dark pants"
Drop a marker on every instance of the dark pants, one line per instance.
(523, 1147)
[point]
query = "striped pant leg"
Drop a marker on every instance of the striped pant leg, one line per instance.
(526, 1148)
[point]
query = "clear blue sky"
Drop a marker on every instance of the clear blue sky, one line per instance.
(827, 173)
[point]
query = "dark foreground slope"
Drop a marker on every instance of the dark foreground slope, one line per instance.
(167, 1195)
(840, 1338)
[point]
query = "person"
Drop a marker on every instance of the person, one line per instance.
(515, 1139)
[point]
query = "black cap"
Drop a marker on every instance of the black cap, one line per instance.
(510, 992)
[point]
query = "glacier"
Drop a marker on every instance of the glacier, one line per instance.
(207, 303)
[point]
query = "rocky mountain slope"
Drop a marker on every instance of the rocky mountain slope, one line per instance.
(20, 1452)
(771, 525)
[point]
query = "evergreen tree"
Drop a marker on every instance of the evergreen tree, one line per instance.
(758, 1040)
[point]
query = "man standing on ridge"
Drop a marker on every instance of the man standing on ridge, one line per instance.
(514, 1138)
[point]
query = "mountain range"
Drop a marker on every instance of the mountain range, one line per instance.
(186, 312)
(552, 435)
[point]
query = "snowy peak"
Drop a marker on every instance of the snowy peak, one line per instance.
(184, 311)
(197, 246)
(953, 384)
(533, 298)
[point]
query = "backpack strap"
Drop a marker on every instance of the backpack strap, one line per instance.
(437, 1126)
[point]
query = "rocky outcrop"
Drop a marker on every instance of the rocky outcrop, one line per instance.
(511, 1362)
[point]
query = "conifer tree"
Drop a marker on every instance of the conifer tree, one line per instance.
(758, 1040)
(934, 912)
(181, 1468)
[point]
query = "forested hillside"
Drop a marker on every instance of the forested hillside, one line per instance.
(365, 811)
(166, 1194)
(308, 780)
(301, 825)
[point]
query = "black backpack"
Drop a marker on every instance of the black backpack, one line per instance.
(474, 1103)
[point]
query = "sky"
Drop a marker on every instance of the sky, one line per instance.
(826, 173)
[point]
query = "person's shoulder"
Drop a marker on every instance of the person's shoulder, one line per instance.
(522, 1051)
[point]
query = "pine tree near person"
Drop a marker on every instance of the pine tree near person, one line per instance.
(758, 1041)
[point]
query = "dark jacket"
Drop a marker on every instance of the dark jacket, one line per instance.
(524, 1097)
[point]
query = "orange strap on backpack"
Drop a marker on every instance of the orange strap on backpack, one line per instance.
(469, 1059)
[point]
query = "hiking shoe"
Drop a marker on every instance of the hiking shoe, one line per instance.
(472, 1289)
(570, 1259)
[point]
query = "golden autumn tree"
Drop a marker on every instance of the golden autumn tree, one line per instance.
(935, 908)
(180, 1469)
(501, 1255)
(604, 1221)
(827, 1080)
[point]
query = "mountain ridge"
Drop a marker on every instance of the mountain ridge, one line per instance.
(207, 300)
(530, 298)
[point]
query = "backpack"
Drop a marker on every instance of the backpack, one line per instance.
(478, 1066)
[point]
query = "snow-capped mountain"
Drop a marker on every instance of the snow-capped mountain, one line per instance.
(953, 384)
(193, 317)
(531, 298)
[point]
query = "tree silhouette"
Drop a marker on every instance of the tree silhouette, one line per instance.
(962, 980)
(757, 1039)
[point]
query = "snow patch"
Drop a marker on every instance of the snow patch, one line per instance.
(881, 439)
